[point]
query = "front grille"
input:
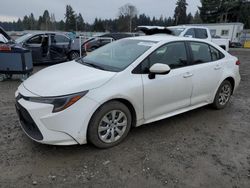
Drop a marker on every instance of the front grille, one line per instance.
(27, 123)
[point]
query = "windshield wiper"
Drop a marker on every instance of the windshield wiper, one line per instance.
(91, 64)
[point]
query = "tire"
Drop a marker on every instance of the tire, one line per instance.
(223, 95)
(105, 123)
(9, 76)
(2, 77)
(74, 55)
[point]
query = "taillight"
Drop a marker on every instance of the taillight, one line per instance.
(237, 62)
(86, 46)
(5, 47)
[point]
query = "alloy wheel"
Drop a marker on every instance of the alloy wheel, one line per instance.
(224, 94)
(112, 126)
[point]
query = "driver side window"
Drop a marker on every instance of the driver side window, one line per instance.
(172, 54)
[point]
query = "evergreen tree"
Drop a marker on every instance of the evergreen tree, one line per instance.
(46, 20)
(197, 18)
(26, 23)
(98, 25)
(70, 19)
(40, 23)
(19, 25)
(80, 22)
(244, 15)
(180, 14)
(53, 22)
(190, 18)
(209, 10)
(32, 22)
(212, 11)
(61, 25)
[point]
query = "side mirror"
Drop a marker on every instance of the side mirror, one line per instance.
(158, 68)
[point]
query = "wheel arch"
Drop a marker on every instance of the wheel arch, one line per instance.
(131, 109)
(126, 102)
(228, 78)
(232, 82)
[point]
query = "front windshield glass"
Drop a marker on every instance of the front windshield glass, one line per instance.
(22, 38)
(118, 55)
(176, 31)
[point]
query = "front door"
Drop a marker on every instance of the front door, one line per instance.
(170, 92)
(39, 47)
(34, 44)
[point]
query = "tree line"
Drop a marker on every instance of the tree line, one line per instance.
(223, 11)
(210, 11)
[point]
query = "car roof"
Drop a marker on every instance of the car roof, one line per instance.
(187, 26)
(117, 36)
(166, 38)
(45, 32)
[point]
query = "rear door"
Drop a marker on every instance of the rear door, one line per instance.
(207, 71)
(59, 47)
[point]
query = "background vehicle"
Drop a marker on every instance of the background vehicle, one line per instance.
(97, 42)
(126, 83)
(4, 37)
(47, 47)
(13, 59)
(232, 31)
(200, 33)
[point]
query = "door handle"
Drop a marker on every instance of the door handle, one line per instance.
(187, 75)
(217, 67)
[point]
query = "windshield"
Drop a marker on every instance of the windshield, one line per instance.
(117, 55)
(176, 31)
(23, 38)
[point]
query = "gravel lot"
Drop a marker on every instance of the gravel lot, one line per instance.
(201, 148)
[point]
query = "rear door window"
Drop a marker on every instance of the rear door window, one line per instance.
(216, 54)
(200, 52)
(57, 39)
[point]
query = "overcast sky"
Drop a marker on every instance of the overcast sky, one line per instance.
(90, 9)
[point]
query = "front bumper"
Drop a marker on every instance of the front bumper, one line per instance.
(67, 127)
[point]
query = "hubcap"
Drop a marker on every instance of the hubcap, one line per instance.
(112, 126)
(224, 95)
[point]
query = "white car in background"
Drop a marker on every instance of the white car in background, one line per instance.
(124, 84)
(199, 32)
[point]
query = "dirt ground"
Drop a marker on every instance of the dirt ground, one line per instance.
(201, 148)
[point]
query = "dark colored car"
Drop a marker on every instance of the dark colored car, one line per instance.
(13, 58)
(50, 47)
(102, 40)
(235, 45)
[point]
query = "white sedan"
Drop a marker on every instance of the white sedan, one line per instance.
(127, 83)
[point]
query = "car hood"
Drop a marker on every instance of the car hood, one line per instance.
(66, 78)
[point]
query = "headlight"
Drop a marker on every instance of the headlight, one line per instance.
(60, 103)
